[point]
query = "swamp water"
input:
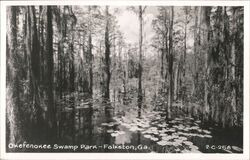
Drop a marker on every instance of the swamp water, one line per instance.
(91, 125)
(110, 127)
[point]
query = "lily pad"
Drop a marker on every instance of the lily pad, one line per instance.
(143, 125)
(238, 149)
(178, 140)
(174, 136)
(181, 133)
(178, 119)
(208, 136)
(163, 134)
(198, 121)
(173, 121)
(191, 134)
(228, 151)
(111, 124)
(183, 138)
(114, 134)
(155, 132)
(177, 150)
(104, 124)
(160, 125)
(126, 125)
(149, 131)
(110, 131)
(164, 143)
(163, 130)
(175, 126)
(207, 132)
(154, 123)
(194, 128)
(133, 129)
(176, 144)
(154, 138)
(167, 138)
(171, 130)
(200, 135)
(153, 128)
(193, 147)
(188, 143)
(185, 151)
(147, 136)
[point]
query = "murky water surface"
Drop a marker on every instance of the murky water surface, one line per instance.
(92, 125)
(114, 127)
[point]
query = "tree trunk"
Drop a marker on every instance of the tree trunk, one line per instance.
(13, 99)
(72, 82)
(162, 63)
(90, 57)
(177, 80)
(167, 61)
(63, 57)
(35, 67)
(107, 57)
(60, 53)
(206, 42)
(139, 101)
(233, 70)
(41, 46)
(195, 71)
(170, 64)
(49, 61)
(183, 85)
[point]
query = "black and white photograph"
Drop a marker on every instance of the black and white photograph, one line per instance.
(124, 79)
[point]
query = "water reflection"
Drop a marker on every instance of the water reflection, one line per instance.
(93, 121)
(85, 124)
(125, 138)
(108, 118)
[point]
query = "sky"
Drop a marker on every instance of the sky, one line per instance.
(129, 25)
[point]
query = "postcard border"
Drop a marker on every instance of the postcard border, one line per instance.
(193, 156)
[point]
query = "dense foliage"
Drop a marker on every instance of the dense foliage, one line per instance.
(55, 53)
